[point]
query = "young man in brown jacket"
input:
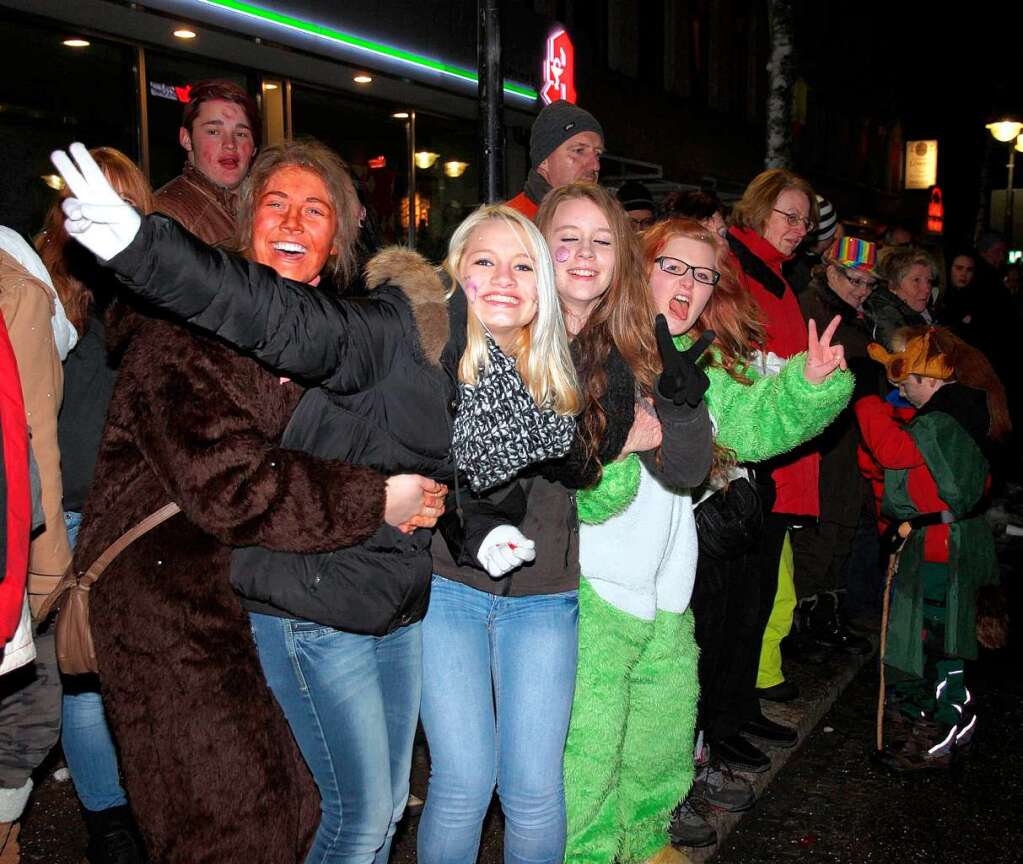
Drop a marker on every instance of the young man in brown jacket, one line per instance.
(220, 132)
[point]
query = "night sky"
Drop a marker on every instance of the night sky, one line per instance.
(944, 70)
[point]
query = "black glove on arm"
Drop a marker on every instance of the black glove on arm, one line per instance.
(682, 381)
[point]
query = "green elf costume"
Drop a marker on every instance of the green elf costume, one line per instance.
(628, 758)
(935, 476)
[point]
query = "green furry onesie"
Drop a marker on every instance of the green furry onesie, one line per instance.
(628, 758)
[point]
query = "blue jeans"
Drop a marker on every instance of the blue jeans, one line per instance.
(88, 746)
(352, 703)
(498, 681)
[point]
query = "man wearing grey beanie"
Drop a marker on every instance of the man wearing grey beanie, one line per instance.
(565, 144)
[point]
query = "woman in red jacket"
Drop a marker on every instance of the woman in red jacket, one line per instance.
(776, 212)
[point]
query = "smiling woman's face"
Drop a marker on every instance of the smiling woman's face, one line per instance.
(294, 224)
(498, 275)
(582, 246)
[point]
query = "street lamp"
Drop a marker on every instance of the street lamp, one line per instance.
(1007, 131)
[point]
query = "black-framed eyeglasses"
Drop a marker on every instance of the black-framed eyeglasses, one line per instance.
(862, 284)
(795, 219)
(677, 267)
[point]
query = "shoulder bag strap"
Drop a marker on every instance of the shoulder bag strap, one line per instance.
(70, 580)
(95, 570)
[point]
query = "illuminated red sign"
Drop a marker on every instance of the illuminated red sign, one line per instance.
(375, 162)
(171, 91)
(935, 212)
(558, 69)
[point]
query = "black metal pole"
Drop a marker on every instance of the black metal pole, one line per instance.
(1009, 195)
(491, 101)
(410, 154)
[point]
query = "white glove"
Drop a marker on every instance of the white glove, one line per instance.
(504, 549)
(97, 217)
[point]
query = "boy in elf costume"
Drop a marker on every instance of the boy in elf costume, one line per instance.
(628, 759)
(935, 475)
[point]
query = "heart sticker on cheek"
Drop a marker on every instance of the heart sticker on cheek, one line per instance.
(561, 254)
(471, 289)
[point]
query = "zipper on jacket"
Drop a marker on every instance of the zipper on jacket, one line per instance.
(573, 524)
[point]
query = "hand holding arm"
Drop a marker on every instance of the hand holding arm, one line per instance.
(645, 433)
(413, 501)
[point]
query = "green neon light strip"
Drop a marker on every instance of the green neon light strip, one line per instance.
(312, 29)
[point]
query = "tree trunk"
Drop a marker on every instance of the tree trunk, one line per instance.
(780, 71)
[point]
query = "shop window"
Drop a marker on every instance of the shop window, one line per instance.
(51, 95)
(370, 140)
(273, 106)
(448, 189)
(168, 77)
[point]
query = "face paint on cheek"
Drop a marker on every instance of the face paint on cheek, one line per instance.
(471, 290)
(561, 254)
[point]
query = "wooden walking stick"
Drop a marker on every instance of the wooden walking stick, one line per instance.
(903, 532)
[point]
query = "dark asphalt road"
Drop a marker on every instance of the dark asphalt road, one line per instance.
(829, 803)
(832, 803)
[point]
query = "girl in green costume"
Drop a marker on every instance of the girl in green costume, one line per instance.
(628, 759)
(625, 627)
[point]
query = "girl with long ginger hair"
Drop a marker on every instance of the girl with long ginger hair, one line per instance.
(637, 389)
(756, 416)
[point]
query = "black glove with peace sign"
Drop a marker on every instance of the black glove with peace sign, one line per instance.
(682, 381)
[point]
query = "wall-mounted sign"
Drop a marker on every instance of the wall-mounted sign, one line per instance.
(170, 91)
(558, 69)
(921, 164)
(935, 213)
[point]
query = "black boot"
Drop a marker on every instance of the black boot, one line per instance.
(830, 631)
(800, 644)
(113, 837)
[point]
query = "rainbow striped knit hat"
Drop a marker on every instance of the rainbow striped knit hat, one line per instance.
(854, 254)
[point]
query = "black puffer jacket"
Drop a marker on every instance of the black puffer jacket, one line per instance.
(381, 372)
(887, 313)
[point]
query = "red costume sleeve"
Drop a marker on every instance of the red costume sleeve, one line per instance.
(889, 443)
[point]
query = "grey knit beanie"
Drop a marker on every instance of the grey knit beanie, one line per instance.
(553, 126)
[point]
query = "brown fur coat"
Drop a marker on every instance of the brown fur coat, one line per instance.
(208, 760)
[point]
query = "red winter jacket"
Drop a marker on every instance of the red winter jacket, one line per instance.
(796, 480)
(893, 447)
(17, 506)
(524, 204)
(872, 469)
